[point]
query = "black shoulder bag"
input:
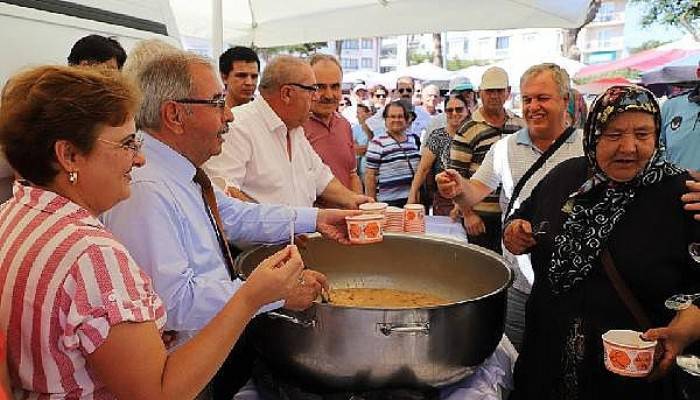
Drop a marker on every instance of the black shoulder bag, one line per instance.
(536, 166)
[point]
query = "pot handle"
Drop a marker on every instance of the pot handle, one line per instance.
(416, 327)
(294, 320)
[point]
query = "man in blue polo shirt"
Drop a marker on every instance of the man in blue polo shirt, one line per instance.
(680, 128)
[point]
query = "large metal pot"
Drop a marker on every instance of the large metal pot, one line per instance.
(361, 348)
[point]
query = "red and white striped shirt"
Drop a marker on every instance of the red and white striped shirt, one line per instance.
(64, 281)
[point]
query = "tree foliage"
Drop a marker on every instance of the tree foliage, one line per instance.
(679, 13)
(648, 45)
(303, 49)
(417, 58)
(457, 63)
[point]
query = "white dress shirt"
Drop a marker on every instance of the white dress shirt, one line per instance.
(254, 159)
(166, 227)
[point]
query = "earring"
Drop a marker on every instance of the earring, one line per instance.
(73, 177)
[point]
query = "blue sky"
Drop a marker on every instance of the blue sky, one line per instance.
(636, 35)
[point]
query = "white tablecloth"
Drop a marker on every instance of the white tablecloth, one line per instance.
(495, 374)
(444, 226)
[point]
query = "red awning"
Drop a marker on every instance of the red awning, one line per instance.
(600, 85)
(642, 62)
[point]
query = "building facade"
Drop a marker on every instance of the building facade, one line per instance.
(603, 39)
(357, 54)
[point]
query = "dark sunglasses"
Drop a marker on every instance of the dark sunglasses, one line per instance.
(380, 95)
(405, 90)
(457, 110)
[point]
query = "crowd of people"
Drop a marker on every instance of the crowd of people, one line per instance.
(139, 177)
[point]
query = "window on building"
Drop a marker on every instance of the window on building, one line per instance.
(388, 51)
(366, 62)
(605, 38)
(465, 46)
(606, 12)
(352, 44)
(367, 44)
(529, 38)
(349, 63)
(502, 42)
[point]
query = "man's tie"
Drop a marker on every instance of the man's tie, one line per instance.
(209, 198)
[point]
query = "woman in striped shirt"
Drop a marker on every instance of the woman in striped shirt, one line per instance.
(392, 158)
(84, 320)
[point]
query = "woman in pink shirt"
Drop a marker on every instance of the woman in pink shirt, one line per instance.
(85, 320)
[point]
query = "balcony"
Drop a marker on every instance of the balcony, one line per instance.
(608, 18)
(612, 44)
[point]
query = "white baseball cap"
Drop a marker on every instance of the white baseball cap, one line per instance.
(494, 78)
(359, 87)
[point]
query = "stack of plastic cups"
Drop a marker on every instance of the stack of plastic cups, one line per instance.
(394, 219)
(414, 218)
(373, 208)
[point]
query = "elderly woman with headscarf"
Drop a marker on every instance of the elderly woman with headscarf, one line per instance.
(622, 199)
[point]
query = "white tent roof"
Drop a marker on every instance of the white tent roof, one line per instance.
(515, 67)
(425, 71)
(268, 23)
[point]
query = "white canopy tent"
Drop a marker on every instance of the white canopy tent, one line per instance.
(515, 67)
(269, 23)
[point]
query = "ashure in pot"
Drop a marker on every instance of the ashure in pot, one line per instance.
(368, 348)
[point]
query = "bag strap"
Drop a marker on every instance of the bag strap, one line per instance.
(536, 166)
(405, 156)
(624, 291)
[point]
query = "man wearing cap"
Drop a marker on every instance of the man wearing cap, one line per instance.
(359, 94)
(680, 128)
(489, 123)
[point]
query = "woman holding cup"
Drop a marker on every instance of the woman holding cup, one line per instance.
(617, 209)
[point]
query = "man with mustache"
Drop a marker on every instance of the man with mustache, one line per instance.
(328, 132)
(267, 155)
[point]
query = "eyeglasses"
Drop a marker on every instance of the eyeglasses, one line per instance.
(405, 90)
(219, 101)
(132, 143)
(380, 95)
(308, 88)
(457, 110)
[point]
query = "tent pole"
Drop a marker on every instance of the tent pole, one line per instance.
(217, 28)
